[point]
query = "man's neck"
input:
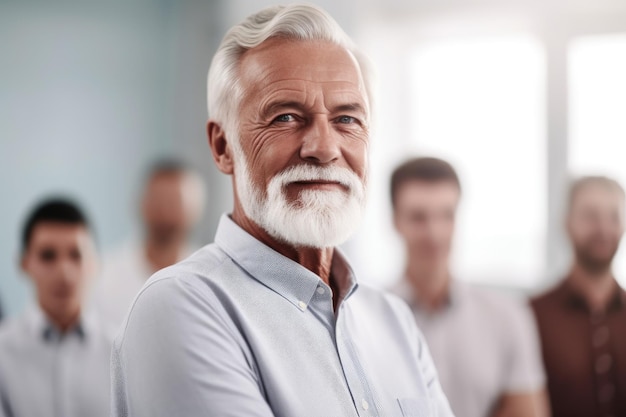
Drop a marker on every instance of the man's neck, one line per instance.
(318, 261)
(597, 287)
(63, 321)
(431, 288)
(160, 256)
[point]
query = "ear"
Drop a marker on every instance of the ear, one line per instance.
(220, 148)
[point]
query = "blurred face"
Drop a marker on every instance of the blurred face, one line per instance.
(595, 225)
(59, 260)
(171, 205)
(424, 216)
(301, 169)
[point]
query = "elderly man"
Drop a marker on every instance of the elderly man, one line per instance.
(54, 359)
(582, 321)
(269, 320)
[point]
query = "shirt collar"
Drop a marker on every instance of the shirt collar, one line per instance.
(42, 327)
(282, 275)
(573, 298)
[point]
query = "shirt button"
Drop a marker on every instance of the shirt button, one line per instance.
(603, 363)
(302, 305)
(364, 404)
(321, 290)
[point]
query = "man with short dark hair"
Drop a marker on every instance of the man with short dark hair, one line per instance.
(54, 360)
(269, 321)
(484, 345)
(171, 204)
(582, 321)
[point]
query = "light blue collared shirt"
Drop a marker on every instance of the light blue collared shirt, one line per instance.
(44, 373)
(238, 329)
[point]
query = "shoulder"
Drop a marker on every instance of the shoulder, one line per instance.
(208, 264)
(182, 293)
(545, 299)
(547, 308)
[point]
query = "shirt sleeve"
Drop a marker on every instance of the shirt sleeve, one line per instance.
(180, 355)
(524, 368)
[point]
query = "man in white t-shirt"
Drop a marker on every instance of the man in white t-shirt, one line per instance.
(484, 344)
(171, 204)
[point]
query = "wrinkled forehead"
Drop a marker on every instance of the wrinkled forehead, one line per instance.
(280, 63)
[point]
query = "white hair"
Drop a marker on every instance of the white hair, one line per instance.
(297, 22)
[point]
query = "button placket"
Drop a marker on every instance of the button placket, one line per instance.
(355, 376)
(602, 362)
(364, 404)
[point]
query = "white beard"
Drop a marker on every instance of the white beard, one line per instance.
(317, 219)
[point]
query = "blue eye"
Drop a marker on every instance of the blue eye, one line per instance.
(346, 119)
(284, 118)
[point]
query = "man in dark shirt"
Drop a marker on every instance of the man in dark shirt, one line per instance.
(582, 322)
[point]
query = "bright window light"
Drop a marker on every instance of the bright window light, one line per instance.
(480, 104)
(597, 102)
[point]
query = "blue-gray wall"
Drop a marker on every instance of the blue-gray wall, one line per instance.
(90, 93)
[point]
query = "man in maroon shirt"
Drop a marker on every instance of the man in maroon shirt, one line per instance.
(582, 322)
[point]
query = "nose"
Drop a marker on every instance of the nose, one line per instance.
(66, 272)
(320, 144)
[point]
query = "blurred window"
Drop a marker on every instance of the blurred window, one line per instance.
(480, 104)
(597, 118)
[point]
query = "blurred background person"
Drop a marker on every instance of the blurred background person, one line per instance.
(54, 359)
(172, 202)
(484, 345)
(582, 321)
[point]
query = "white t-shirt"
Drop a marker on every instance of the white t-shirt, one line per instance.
(484, 344)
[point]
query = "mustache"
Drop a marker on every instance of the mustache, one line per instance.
(342, 176)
